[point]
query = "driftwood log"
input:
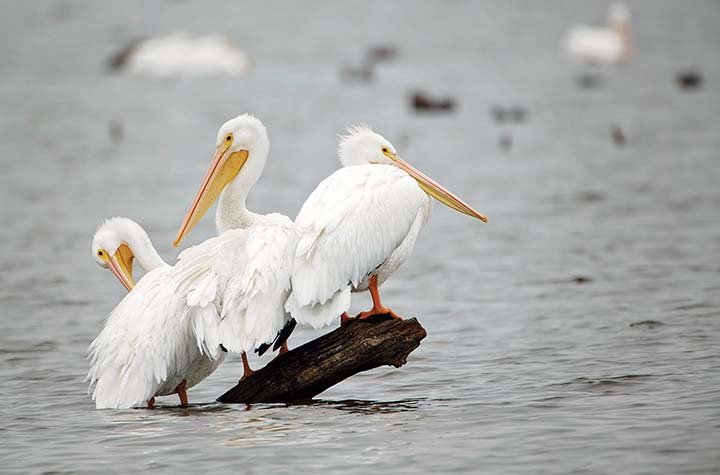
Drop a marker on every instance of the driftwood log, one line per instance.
(310, 369)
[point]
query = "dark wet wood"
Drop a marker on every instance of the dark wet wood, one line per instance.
(310, 369)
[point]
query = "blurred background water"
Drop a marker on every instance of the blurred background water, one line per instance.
(576, 332)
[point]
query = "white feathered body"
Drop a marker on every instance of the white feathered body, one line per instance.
(596, 45)
(146, 347)
(362, 220)
(245, 273)
(228, 290)
(182, 55)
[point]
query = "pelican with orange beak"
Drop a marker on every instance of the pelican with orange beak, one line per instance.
(245, 269)
(358, 227)
(117, 243)
(146, 348)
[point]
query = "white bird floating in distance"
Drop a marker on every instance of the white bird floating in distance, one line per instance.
(609, 45)
(181, 55)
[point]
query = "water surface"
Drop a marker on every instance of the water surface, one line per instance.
(576, 332)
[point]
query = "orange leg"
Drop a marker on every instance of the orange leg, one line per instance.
(151, 403)
(345, 319)
(283, 349)
(181, 391)
(247, 371)
(377, 304)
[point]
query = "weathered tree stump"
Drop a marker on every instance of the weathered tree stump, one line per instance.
(310, 369)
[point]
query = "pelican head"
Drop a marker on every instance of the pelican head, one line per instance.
(242, 145)
(361, 146)
(111, 250)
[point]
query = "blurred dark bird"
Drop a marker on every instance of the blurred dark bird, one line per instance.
(688, 80)
(116, 131)
(618, 136)
(380, 53)
(505, 142)
(363, 72)
(422, 102)
(514, 114)
(589, 80)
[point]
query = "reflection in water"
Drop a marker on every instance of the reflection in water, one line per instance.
(312, 422)
(359, 406)
(605, 380)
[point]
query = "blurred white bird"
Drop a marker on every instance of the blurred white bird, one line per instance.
(146, 349)
(241, 276)
(359, 226)
(182, 55)
(610, 45)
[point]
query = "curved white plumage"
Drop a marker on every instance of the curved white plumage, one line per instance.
(361, 220)
(246, 274)
(146, 347)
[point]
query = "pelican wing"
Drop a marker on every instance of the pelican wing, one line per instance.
(258, 284)
(246, 274)
(347, 228)
(143, 345)
(197, 281)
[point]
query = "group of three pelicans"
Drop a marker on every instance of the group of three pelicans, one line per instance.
(246, 288)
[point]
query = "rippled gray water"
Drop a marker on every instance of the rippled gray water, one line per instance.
(578, 331)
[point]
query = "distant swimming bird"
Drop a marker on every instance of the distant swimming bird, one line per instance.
(182, 55)
(609, 45)
(146, 348)
(358, 227)
(421, 102)
(245, 271)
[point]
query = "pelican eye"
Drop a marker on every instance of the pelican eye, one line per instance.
(100, 253)
(228, 138)
(385, 150)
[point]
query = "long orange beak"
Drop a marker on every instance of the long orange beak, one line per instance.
(223, 169)
(436, 190)
(121, 264)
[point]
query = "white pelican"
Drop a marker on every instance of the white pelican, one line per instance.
(358, 227)
(609, 45)
(118, 242)
(146, 348)
(245, 271)
(179, 54)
